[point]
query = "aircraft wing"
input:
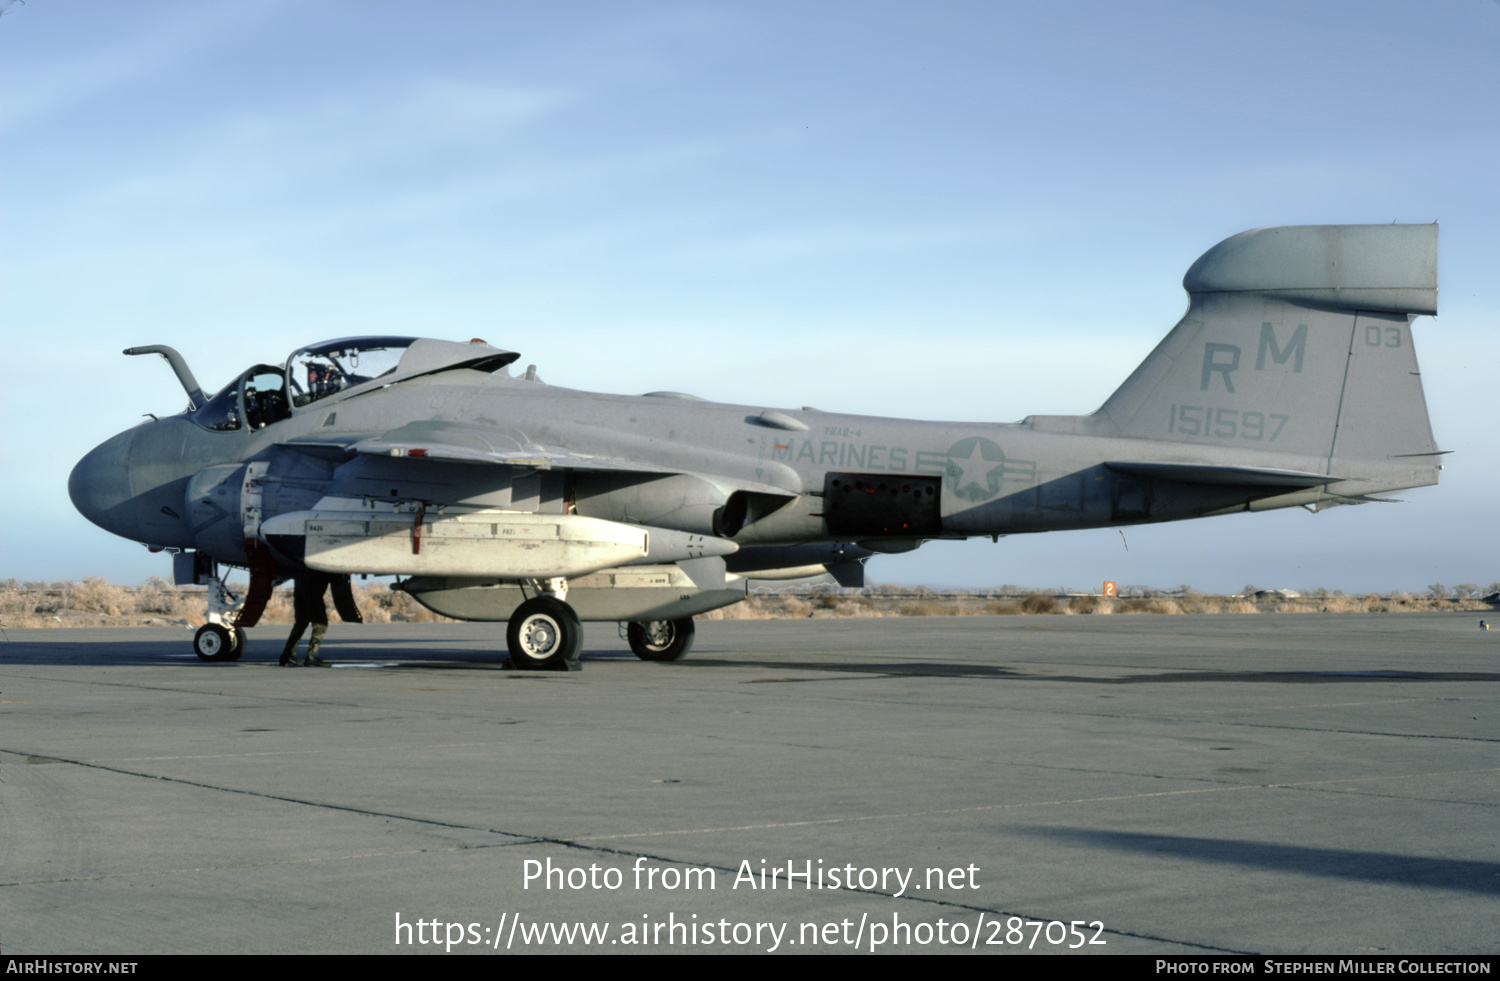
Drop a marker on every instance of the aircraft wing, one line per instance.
(1225, 476)
(460, 443)
(532, 456)
(468, 443)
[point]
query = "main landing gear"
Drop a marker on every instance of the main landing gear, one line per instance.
(544, 633)
(661, 640)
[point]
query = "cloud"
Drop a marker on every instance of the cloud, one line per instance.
(409, 116)
(269, 153)
(51, 86)
(811, 243)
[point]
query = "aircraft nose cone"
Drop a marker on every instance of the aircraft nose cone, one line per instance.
(100, 483)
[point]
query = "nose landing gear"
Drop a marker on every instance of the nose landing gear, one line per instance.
(216, 642)
(222, 638)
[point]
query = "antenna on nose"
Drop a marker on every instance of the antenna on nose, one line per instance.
(184, 374)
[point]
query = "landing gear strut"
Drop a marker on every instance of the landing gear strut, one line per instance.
(221, 638)
(661, 640)
(544, 633)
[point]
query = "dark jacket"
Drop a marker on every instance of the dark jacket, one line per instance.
(307, 597)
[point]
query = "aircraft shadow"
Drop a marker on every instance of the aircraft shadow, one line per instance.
(1383, 868)
(970, 670)
(426, 655)
(258, 651)
(263, 649)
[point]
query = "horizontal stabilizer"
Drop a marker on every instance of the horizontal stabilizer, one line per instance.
(1219, 476)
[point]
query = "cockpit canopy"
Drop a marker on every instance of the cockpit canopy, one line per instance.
(320, 370)
(263, 402)
(265, 394)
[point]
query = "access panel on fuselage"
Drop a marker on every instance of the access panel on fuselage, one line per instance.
(863, 505)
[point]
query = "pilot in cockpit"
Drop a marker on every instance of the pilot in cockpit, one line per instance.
(324, 380)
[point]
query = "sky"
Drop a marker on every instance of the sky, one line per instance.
(958, 210)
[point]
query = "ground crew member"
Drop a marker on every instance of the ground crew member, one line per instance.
(308, 608)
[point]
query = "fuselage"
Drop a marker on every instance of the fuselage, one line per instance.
(988, 478)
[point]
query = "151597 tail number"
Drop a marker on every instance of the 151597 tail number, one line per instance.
(1216, 423)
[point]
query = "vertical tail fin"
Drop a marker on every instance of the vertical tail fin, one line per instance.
(1297, 341)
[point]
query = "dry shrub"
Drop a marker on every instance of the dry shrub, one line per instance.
(739, 611)
(96, 602)
(764, 607)
(821, 604)
(417, 613)
(278, 608)
(789, 606)
(156, 595)
(850, 606)
(927, 608)
(858, 606)
(96, 595)
(20, 602)
(379, 603)
(1155, 604)
(14, 602)
(1038, 603)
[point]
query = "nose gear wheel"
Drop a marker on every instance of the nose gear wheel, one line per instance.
(214, 642)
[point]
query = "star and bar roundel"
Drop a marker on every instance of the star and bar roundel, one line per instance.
(977, 468)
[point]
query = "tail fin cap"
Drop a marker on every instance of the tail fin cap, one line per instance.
(1379, 268)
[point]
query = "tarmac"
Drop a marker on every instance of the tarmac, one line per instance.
(1272, 784)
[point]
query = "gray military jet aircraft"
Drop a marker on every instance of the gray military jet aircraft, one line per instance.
(1291, 381)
